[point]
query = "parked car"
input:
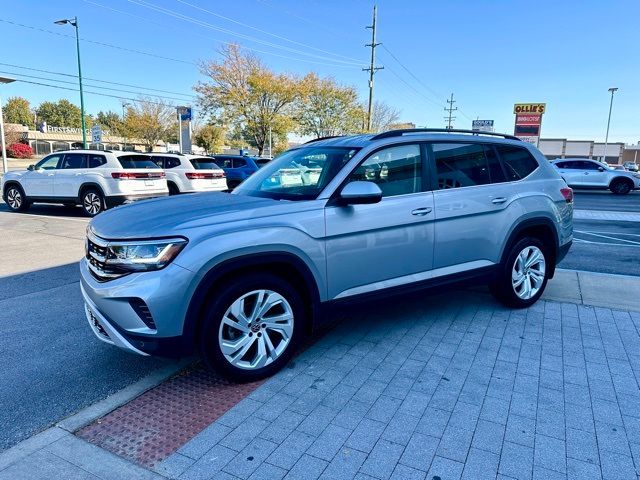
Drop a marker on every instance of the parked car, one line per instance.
(631, 166)
(190, 173)
(241, 278)
(237, 168)
(617, 167)
(95, 180)
(587, 173)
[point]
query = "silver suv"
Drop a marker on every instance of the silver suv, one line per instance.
(591, 174)
(242, 277)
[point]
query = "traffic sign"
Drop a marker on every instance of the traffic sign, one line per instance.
(96, 134)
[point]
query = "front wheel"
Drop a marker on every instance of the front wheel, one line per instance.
(16, 199)
(92, 202)
(523, 277)
(252, 327)
(620, 187)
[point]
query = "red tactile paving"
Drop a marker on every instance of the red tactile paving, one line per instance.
(158, 422)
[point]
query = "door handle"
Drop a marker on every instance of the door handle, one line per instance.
(499, 200)
(50, 174)
(420, 212)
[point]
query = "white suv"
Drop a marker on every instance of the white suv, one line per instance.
(190, 173)
(95, 180)
(587, 173)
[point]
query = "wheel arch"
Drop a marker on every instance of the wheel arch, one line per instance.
(10, 183)
(621, 178)
(87, 185)
(284, 264)
(542, 228)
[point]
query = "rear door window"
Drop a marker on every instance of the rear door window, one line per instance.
(518, 162)
(73, 160)
(95, 160)
(466, 165)
(136, 161)
(239, 163)
(224, 162)
(171, 162)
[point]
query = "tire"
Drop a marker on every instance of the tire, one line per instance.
(231, 184)
(173, 189)
(16, 199)
(506, 287)
(92, 202)
(245, 360)
(620, 187)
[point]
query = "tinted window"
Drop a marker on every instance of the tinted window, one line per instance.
(465, 165)
(171, 162)
(73, 160)
(518, 162)
(96, 160)
(223, 162)
(396, 170)
(590, 166)
(49, 163)
(239, 163)
(261, 162)
(136, 161)
(204, 163)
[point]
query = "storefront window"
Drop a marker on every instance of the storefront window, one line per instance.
(40, 147)
(60, 146)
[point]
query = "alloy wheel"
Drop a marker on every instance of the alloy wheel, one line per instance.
(528, 272)
(14, 198)
(92, 203)
(256, 329)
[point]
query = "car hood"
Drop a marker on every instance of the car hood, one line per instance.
(176, 215)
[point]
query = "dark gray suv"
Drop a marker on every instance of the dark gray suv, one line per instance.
(241, 277)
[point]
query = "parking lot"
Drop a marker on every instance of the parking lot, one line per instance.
(42, 311)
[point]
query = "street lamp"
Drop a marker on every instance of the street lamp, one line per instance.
(124, 128)
(606, 138)
(74, 22)
(4, 80)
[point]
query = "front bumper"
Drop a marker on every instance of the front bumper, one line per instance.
(115, 200)
(165, 292)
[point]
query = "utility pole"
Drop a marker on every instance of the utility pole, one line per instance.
(606, 138)
(450, 118)
(372, 66)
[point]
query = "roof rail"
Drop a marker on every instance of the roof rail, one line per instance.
(323, 138)
(400, 132)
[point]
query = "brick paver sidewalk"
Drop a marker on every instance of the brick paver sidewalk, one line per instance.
(449, 386)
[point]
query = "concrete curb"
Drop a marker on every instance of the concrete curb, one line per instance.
(606, 215)
(89, 414)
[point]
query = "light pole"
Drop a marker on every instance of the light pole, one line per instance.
(124, 128)
(74, 21)
(606, 138)
(2, 137)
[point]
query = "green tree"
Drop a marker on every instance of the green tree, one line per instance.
(110, 121)
(62, 113)
(327, 108)
(17, 110)
(150, 120)
(244, 92)
(210, 137)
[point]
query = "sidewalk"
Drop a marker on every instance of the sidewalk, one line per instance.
(450, 385)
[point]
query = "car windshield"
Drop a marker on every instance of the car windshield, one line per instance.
(204, 163)
(299, 174)
(137, 161)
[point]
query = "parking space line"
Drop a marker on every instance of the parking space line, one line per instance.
(49, 217)
(608, 237)
(580, 240)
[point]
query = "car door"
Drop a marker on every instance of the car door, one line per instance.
(472, 202)
(390, 243)
(39, 182)
(70, 175)
(593, 174)
(570, 171)
(241, 168)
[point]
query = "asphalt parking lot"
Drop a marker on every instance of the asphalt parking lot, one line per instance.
(52, 358)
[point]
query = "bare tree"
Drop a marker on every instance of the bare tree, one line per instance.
(383, 116)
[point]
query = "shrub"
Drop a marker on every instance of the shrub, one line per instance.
(19, 150)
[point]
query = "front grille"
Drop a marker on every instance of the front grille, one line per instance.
(97, 252)
(142, 310)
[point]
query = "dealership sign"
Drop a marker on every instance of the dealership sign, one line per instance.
(528, 121)
(482, 125)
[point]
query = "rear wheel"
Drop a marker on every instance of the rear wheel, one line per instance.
(231, 184)
(92, 202)
(252, 327)
(523, 276)
(173, 189)
(621, 187)
(16, 199)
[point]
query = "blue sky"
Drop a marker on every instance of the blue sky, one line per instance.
(489, 54)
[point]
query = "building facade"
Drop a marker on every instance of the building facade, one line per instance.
(553, 148)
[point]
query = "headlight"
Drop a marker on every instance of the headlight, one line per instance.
(143, 255)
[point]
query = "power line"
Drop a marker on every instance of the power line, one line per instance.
(103, 44)
(450, 108)
(90, 86)
(95, 80)
(207, 37)
(180, 16)
(264, 31)
(414, 89)
(94, 93)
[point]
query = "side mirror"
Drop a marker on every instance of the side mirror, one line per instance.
(360, 193)
(31, 168)
(601, 169)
